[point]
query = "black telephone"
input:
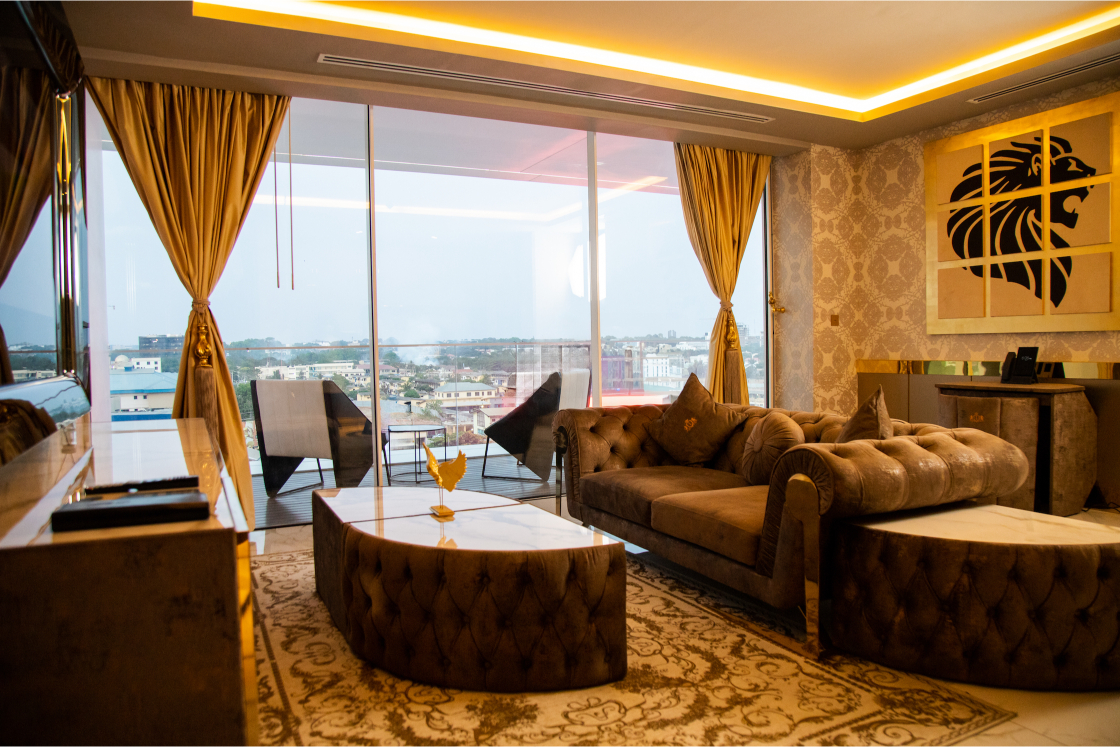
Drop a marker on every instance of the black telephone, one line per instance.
(1020, 368)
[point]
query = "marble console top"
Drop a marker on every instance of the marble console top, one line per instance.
(364, 504)
(48, 475)
(516, 527)
(995, 525)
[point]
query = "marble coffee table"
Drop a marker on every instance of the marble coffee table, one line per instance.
(505, 597)
(985, 594)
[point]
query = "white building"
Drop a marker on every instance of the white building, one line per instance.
(484, 417)
(465, 394)
(663, 370)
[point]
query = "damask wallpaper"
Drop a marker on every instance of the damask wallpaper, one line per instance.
(859, 218)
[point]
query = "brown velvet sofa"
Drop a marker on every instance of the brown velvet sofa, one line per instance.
(767, 540)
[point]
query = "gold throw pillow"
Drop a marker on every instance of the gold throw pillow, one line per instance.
(870, 421)
(695, 427)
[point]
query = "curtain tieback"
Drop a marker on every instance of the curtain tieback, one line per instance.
(200, 306)
(725, 305)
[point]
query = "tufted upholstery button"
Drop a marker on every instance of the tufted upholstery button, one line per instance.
(1083, 616)
(1102, 572)
(1060, 572)
(1061, 660)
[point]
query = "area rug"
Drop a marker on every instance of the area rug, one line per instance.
(704, 668)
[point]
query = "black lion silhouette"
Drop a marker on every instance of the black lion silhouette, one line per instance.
(1016, 225)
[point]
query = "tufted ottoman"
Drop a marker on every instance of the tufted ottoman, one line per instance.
(503, 599)
(984, 594)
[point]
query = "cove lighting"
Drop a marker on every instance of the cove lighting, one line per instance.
(273, 13)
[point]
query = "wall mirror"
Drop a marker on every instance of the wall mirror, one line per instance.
(44, 311)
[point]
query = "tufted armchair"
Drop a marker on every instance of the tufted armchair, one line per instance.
(768, 540)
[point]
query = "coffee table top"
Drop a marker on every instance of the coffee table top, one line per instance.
(365, 504)
(517, 527)
(995, 525)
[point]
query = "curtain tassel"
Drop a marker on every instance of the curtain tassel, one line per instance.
(206, 380)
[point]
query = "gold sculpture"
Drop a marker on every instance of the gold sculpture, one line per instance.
(447, 476)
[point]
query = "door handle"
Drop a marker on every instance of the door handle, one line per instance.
(774, 307)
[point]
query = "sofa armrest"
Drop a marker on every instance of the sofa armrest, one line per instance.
(605, 438)
(814, 484)
(871, 476)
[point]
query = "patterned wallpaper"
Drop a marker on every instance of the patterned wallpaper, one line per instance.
(862, 223)
(791, 235)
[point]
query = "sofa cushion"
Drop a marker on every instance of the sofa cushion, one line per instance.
(695, 427)
(628, 493)
(772, 437)
(725, 521)
(870, 421)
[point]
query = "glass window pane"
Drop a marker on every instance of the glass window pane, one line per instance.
(481, 236)
(657, 308)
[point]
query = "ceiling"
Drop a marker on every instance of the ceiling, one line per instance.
(858, 50)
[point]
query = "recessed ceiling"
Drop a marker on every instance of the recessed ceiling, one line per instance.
(849, 49)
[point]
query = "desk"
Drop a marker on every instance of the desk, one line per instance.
(132, 635)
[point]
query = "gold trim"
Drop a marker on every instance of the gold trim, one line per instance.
(1072, 369)
(1044, 322)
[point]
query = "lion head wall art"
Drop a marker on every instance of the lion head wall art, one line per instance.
(1019, 227)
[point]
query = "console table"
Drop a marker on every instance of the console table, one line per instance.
(1055, 426)
(131, 635)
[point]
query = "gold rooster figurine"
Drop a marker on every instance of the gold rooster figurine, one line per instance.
(447, 476)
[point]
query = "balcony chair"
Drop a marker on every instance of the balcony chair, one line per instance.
(526, 432)
(299, 420)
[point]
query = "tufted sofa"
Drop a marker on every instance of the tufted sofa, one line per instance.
(767, 540)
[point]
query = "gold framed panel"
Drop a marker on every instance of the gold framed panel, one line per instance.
(1070, 189)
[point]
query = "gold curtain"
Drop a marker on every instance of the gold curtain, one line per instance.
(27, 100)
(720, 192)
(196, 156)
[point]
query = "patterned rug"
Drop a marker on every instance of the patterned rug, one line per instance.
(704, 668)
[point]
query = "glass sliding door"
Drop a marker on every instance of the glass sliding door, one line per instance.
(656, 308)
(482, 283)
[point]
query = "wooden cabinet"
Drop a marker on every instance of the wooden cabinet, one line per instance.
(1054, 424)
(133, 635)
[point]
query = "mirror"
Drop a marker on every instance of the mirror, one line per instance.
(43, 307)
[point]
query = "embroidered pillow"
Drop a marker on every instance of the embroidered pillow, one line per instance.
(773, 436)
(870, 421)
(695, 427)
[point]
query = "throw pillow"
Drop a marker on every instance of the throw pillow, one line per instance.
(773, 436)
(695, 427)
(870, 421)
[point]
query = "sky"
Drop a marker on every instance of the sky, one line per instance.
(458, 257)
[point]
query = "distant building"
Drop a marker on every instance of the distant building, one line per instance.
(142, 391)
(161, 342)
(672, 334)
(663, 371)
(124, 363)
(486, 416)
(465, 394)
(29, 375)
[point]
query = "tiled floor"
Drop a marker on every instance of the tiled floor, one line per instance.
(1043, 718)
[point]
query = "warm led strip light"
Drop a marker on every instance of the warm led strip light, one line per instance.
(394, 22)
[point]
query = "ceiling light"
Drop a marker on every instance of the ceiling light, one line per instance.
(277, 13)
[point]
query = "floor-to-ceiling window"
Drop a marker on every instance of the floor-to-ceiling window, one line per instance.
(482, 283)
(483, 273)
(656, 308)
(294, 299)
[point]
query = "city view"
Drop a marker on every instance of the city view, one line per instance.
(483, 274)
